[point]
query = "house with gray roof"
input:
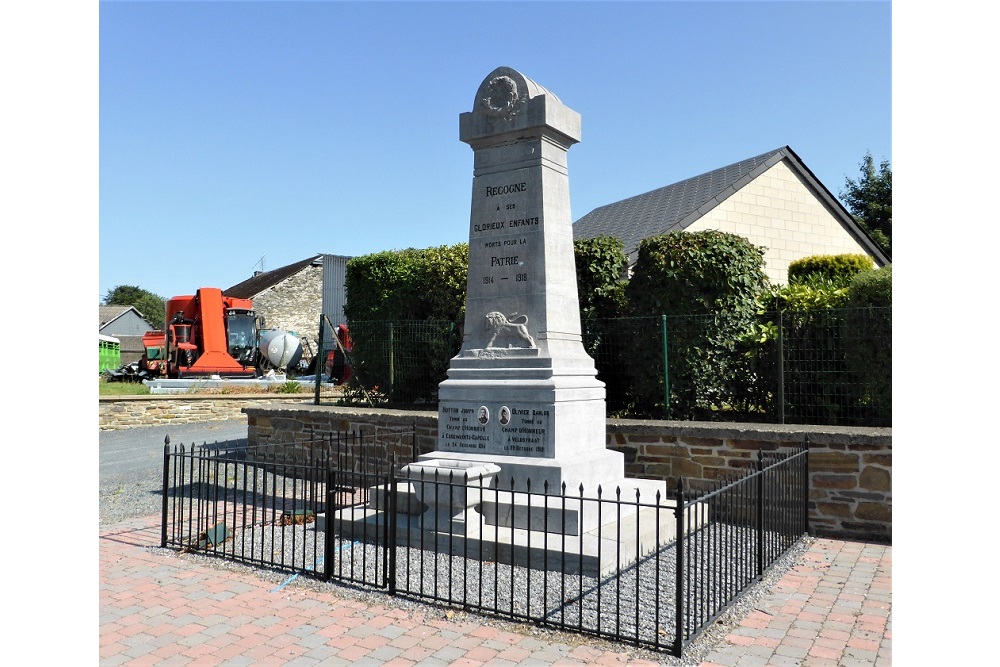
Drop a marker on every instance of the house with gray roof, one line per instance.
(127, 325)
(120, 321)
(772, 199)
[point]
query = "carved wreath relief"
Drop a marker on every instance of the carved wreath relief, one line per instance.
(502, 98)
(513, 329)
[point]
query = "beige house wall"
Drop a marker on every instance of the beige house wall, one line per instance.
(294, 304)
(779, 212)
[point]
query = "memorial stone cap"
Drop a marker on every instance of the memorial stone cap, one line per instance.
(508, 102)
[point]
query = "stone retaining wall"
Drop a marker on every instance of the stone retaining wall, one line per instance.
(120, 412)
(850, 468)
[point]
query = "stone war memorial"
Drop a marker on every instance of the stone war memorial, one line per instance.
(522, 393)
(521, 415)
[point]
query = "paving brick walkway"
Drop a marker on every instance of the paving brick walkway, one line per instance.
(832, 608)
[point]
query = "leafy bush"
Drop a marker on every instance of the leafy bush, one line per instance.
(803, 297)
(832, 371)
(836, 269)
(601, 265)
(710, 284)
(402, 308)
(408, 284)
(872, 289)
(870, 356)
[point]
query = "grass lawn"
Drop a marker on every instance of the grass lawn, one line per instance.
(106, 388)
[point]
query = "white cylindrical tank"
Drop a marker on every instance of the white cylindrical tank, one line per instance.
(281, 349)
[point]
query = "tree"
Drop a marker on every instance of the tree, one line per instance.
(869, 199)
(150, 305)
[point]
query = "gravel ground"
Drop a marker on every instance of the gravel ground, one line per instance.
(130, 496)
(137, 495)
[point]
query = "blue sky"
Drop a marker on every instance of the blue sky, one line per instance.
(237, 136)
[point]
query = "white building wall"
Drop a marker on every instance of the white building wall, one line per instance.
(779, 212)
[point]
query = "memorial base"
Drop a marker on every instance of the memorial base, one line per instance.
(555, 533)
(589, 468)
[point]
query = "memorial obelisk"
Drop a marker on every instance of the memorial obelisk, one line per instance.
(522, 392)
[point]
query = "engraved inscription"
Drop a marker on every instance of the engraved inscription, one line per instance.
(463, 428)
(518, 429)
(526, 432)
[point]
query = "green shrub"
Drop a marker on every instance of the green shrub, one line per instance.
(601, 265)
(836, 367)
(804, 297)
(872, 289)
(870, 356)
(408, 284)
(710, 284)
(836, 269)
(403, 308)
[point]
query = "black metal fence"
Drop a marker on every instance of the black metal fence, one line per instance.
(642, 565)
(828, 366)
(752, 522)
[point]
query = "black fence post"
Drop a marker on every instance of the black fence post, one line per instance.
(391, 519)
(166, 483)
(331, 498)
(805, 487)
(679, 592)
(760, 514)
(781, 370)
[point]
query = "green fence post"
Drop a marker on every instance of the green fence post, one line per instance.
(320, 362)
(666, 369)
(392, 361)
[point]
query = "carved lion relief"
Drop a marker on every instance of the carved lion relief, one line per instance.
(513, 330)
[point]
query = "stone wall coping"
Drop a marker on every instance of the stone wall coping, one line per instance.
(423, 416)
(818, 434)
(205, 397)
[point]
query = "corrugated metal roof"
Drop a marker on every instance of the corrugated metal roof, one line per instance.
(253, 286)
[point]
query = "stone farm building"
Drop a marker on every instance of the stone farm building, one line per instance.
(773, 200)
(293, 297)
(288, 298)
